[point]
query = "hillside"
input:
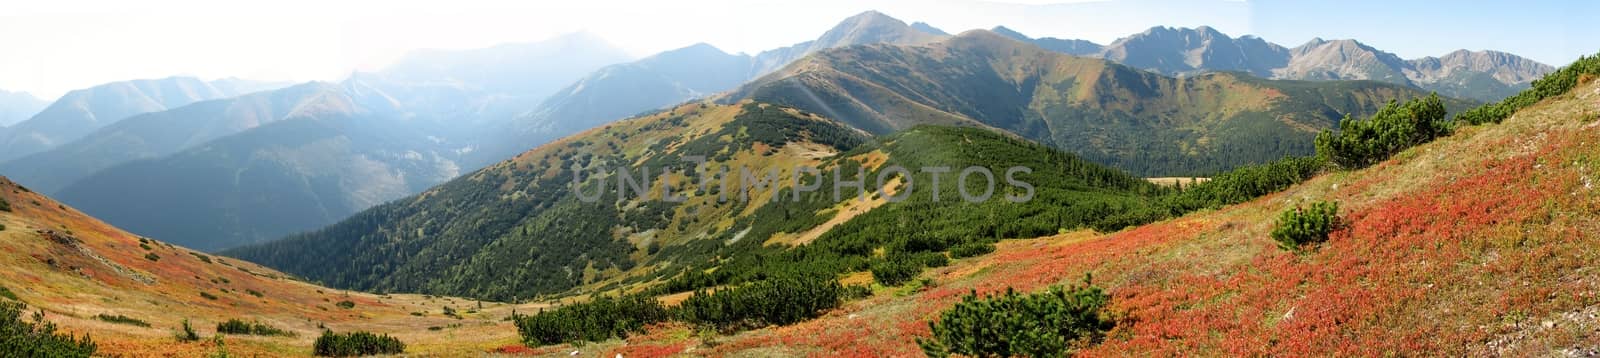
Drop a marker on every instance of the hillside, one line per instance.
(516, 230)
(1476, 254)
(75, 268)
(1460, 254)
(1111, 114)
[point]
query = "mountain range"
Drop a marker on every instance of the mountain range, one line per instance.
(82, 111)
(1142, 122)
(1477, 75)
(450, 112)
(271, 163)
(684, 74)
(518, 228)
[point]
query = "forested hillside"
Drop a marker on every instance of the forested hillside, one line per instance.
(516, 230)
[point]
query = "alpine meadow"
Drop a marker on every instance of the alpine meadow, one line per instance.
(699, 178)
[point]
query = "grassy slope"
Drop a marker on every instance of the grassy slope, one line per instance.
(1476, 244)
(78, 287)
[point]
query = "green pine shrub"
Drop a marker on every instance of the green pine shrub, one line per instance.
(971, 249)
(774, 301)
(38, 337)
(187, 333)
(1396, 127)
(1242, 184)
(1301, 226)
(894, 270)
(356, 344)
(1054, 323)
(237, 326)
(603, 317)
(120, 319)
(1553, 84)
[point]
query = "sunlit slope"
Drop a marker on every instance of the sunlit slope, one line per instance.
(75, 267)
(1480, 243)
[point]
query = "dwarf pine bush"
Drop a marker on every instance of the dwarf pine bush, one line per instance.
(1300, 226)
(1396, 127)
(37, 338)
(1053, 323)
(356, 344)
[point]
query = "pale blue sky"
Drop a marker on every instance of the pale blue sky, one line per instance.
(50, 47)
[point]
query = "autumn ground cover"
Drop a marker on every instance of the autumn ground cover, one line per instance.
(1482, 243)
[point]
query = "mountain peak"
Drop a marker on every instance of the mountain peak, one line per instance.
(979, 34)
(869, 16)
(1008, 32)
(871, 27)
(1154, 30)
(700, 47)
(925, 27)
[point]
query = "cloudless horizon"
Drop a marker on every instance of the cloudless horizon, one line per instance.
(59, 46)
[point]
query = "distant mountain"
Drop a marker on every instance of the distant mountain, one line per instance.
(239, 86)
(1190, 51)
(315, 154)
(925, 27)
(1343, 59)
(158, 134)
(1070, 47)
(1482, 76)
(18, 106)
(1112, 114)
(82, 111)
(865, 28)
(623, 90)
(680, 75)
